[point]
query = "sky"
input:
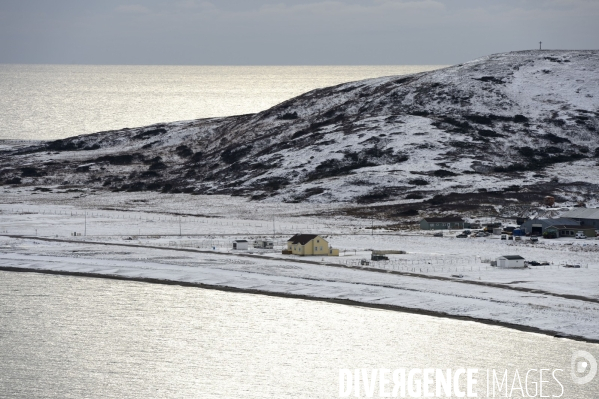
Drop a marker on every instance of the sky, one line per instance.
(287, 32)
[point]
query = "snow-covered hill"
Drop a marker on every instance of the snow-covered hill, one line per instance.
(510, 127)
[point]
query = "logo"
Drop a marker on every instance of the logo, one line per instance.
(584, 367)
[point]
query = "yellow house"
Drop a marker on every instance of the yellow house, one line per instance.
(310, 245)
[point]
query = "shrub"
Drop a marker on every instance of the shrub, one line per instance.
(409, 212)
(233, 154)
(61, 145)
(289, 116)
(374, 196)
(551, 150)
(513, 187)
(313, 191)
(489, 133)
(14, 180)
(418, 182)
(153, 160)
(437, 200)
(556, 139)
(462, 144)
(29, 172)
(136, 186)
(520, 119)
(527, 151)
(443, 173)
(157, 166)
(491, 79)
(149, 133)
(184, 151)
(197, 157)
(125, 159)
(480, 119)
(274, 183)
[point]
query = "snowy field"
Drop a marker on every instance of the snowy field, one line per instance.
(188, 238)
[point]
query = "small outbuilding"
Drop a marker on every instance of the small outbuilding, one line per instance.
(263, 244)
(510, 262)
(240, 244)
(442, 223)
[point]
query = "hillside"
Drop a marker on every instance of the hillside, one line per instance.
(506, 128)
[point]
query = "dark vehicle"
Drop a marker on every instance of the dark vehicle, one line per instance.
(467, 232)
(504, 236)
(534, 239)
(462, 235)
(510, 237)
(378, 257)
(533, 263)
(438, 234)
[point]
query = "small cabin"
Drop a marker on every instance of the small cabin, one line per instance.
(510, 262)
(240, 245)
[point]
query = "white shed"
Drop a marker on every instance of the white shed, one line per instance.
(240, 244)
(510, 262)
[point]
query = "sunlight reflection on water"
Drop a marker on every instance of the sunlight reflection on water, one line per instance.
(41, 102)
(72, 337)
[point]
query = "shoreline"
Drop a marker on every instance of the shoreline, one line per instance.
(309, 262)
(347, 302)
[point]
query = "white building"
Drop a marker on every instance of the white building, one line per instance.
(510, 262)
(264, 244)
(240, 244)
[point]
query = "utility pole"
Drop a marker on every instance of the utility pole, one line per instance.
(540, 43)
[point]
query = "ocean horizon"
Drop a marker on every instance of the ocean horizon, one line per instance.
(46, 102)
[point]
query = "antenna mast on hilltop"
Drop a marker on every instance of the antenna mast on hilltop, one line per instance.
(540, 45)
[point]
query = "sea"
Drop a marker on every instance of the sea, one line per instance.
(45, 102)
(75, 337)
